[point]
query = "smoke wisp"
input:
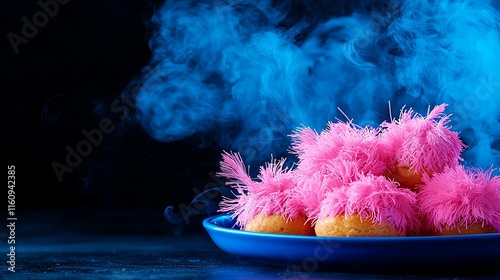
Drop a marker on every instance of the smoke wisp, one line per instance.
(246, 73)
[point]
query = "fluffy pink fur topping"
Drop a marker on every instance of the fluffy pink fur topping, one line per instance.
(314, 150)
(303, 140)
(310, 191)
(337, 143)
(460, 196)
(422, 143)
(267, 195)
(374, 198)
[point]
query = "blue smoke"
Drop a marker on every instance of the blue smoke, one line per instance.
(247, 73)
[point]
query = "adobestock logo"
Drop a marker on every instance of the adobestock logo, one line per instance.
(74, 156)
(94, 137)
(39, 19)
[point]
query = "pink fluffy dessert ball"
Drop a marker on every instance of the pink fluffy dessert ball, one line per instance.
(416, 146)
(263, 204)
(370, 206)
(460, 200)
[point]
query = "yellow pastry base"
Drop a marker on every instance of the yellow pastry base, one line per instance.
(406, 177)
(352, 226)
(278, 224)
(477, 228)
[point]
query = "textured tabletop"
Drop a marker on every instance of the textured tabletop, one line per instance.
(91, 248)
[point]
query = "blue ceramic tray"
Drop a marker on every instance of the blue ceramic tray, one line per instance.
(307, 253)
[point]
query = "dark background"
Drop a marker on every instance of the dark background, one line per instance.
(62, 81)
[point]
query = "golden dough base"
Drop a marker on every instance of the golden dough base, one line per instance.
(477, 228)
(352, 226)
(406, 178)
(278, 224)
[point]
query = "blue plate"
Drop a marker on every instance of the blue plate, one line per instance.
(474, 252)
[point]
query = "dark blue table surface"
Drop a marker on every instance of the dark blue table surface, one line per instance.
(96, 247)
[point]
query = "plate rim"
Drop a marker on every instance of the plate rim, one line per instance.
(401, 254)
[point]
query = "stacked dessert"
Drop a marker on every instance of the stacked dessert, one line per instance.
(401, 178)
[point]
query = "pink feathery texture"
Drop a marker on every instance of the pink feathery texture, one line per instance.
(337, 143)
(310, 191)
(268, 194)
(422, 143)
(304, 139)
(460, 196)
(331, 159)
(314, 150)
(334, 158)
(374, 198)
